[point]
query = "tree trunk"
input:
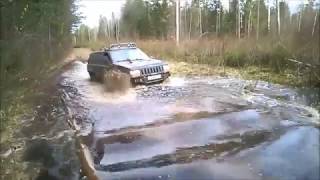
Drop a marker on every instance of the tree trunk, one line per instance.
(249, 21)
(314, 23)
(118, 30)
(89, 36)
(279, 23)
(241, 22)
(300, 19)
(219, 19)
(114, 26)
(200, 19)
(238, 22)
(269, 18)
(190, 25)
(217, 22)
(177, 22)
(185, 23)
(109, 30)
(258, 20)
(49, 41)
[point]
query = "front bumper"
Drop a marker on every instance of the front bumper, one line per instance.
(144, 79)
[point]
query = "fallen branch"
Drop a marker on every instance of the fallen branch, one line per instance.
(299, 62)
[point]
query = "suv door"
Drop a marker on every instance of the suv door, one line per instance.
(98, 63)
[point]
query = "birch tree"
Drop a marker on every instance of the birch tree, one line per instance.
(177, 22)
(278, 18)
(314, 23)
(269, 14)
(248, 16)
(190, 22)
(200, 18)
(218, 16)
(239, 20)
(258, 19)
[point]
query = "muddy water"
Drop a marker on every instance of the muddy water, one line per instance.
(197, 128)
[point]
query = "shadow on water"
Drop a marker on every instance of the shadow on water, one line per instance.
(180, 126)
(235, 144)
(122, 138)
(177, 117)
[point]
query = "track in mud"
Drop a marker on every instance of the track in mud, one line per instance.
(196, 128)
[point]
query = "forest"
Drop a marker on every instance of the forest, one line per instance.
(35, 36)
(252, 35)
(243, 90)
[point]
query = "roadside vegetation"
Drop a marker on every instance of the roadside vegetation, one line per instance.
(267, 61)
(35, 37)
(253, 38)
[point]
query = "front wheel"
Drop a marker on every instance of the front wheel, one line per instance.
(92, 76)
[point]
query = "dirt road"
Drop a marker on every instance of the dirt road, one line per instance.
(196, 128)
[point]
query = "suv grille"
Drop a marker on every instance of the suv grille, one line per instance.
(152, 70)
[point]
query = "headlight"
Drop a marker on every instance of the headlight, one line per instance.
(166, 68)
(135, 73)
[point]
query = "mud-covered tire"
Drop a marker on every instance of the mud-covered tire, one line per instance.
(115, 80)
(92, 76)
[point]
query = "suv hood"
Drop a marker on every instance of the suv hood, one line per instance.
(139, 64)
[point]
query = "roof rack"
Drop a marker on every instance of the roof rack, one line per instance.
(119, 45)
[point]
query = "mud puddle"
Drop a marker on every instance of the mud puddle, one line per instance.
(196, 128)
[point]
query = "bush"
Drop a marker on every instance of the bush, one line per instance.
(278, 59)
(235, 59)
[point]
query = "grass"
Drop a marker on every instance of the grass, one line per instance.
(20, 100)
(264, 61)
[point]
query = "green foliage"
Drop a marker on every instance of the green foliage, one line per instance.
(146, 18)
(235, 59)
(34, 36)
(278, 59)
(136, 18)
(216, 43)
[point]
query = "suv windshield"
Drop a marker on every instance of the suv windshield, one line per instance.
(127, 54)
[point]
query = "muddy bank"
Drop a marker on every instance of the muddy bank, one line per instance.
(42, 145)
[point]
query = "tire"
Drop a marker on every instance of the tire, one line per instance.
(92, 76)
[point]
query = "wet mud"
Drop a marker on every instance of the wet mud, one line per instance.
(44, 147)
